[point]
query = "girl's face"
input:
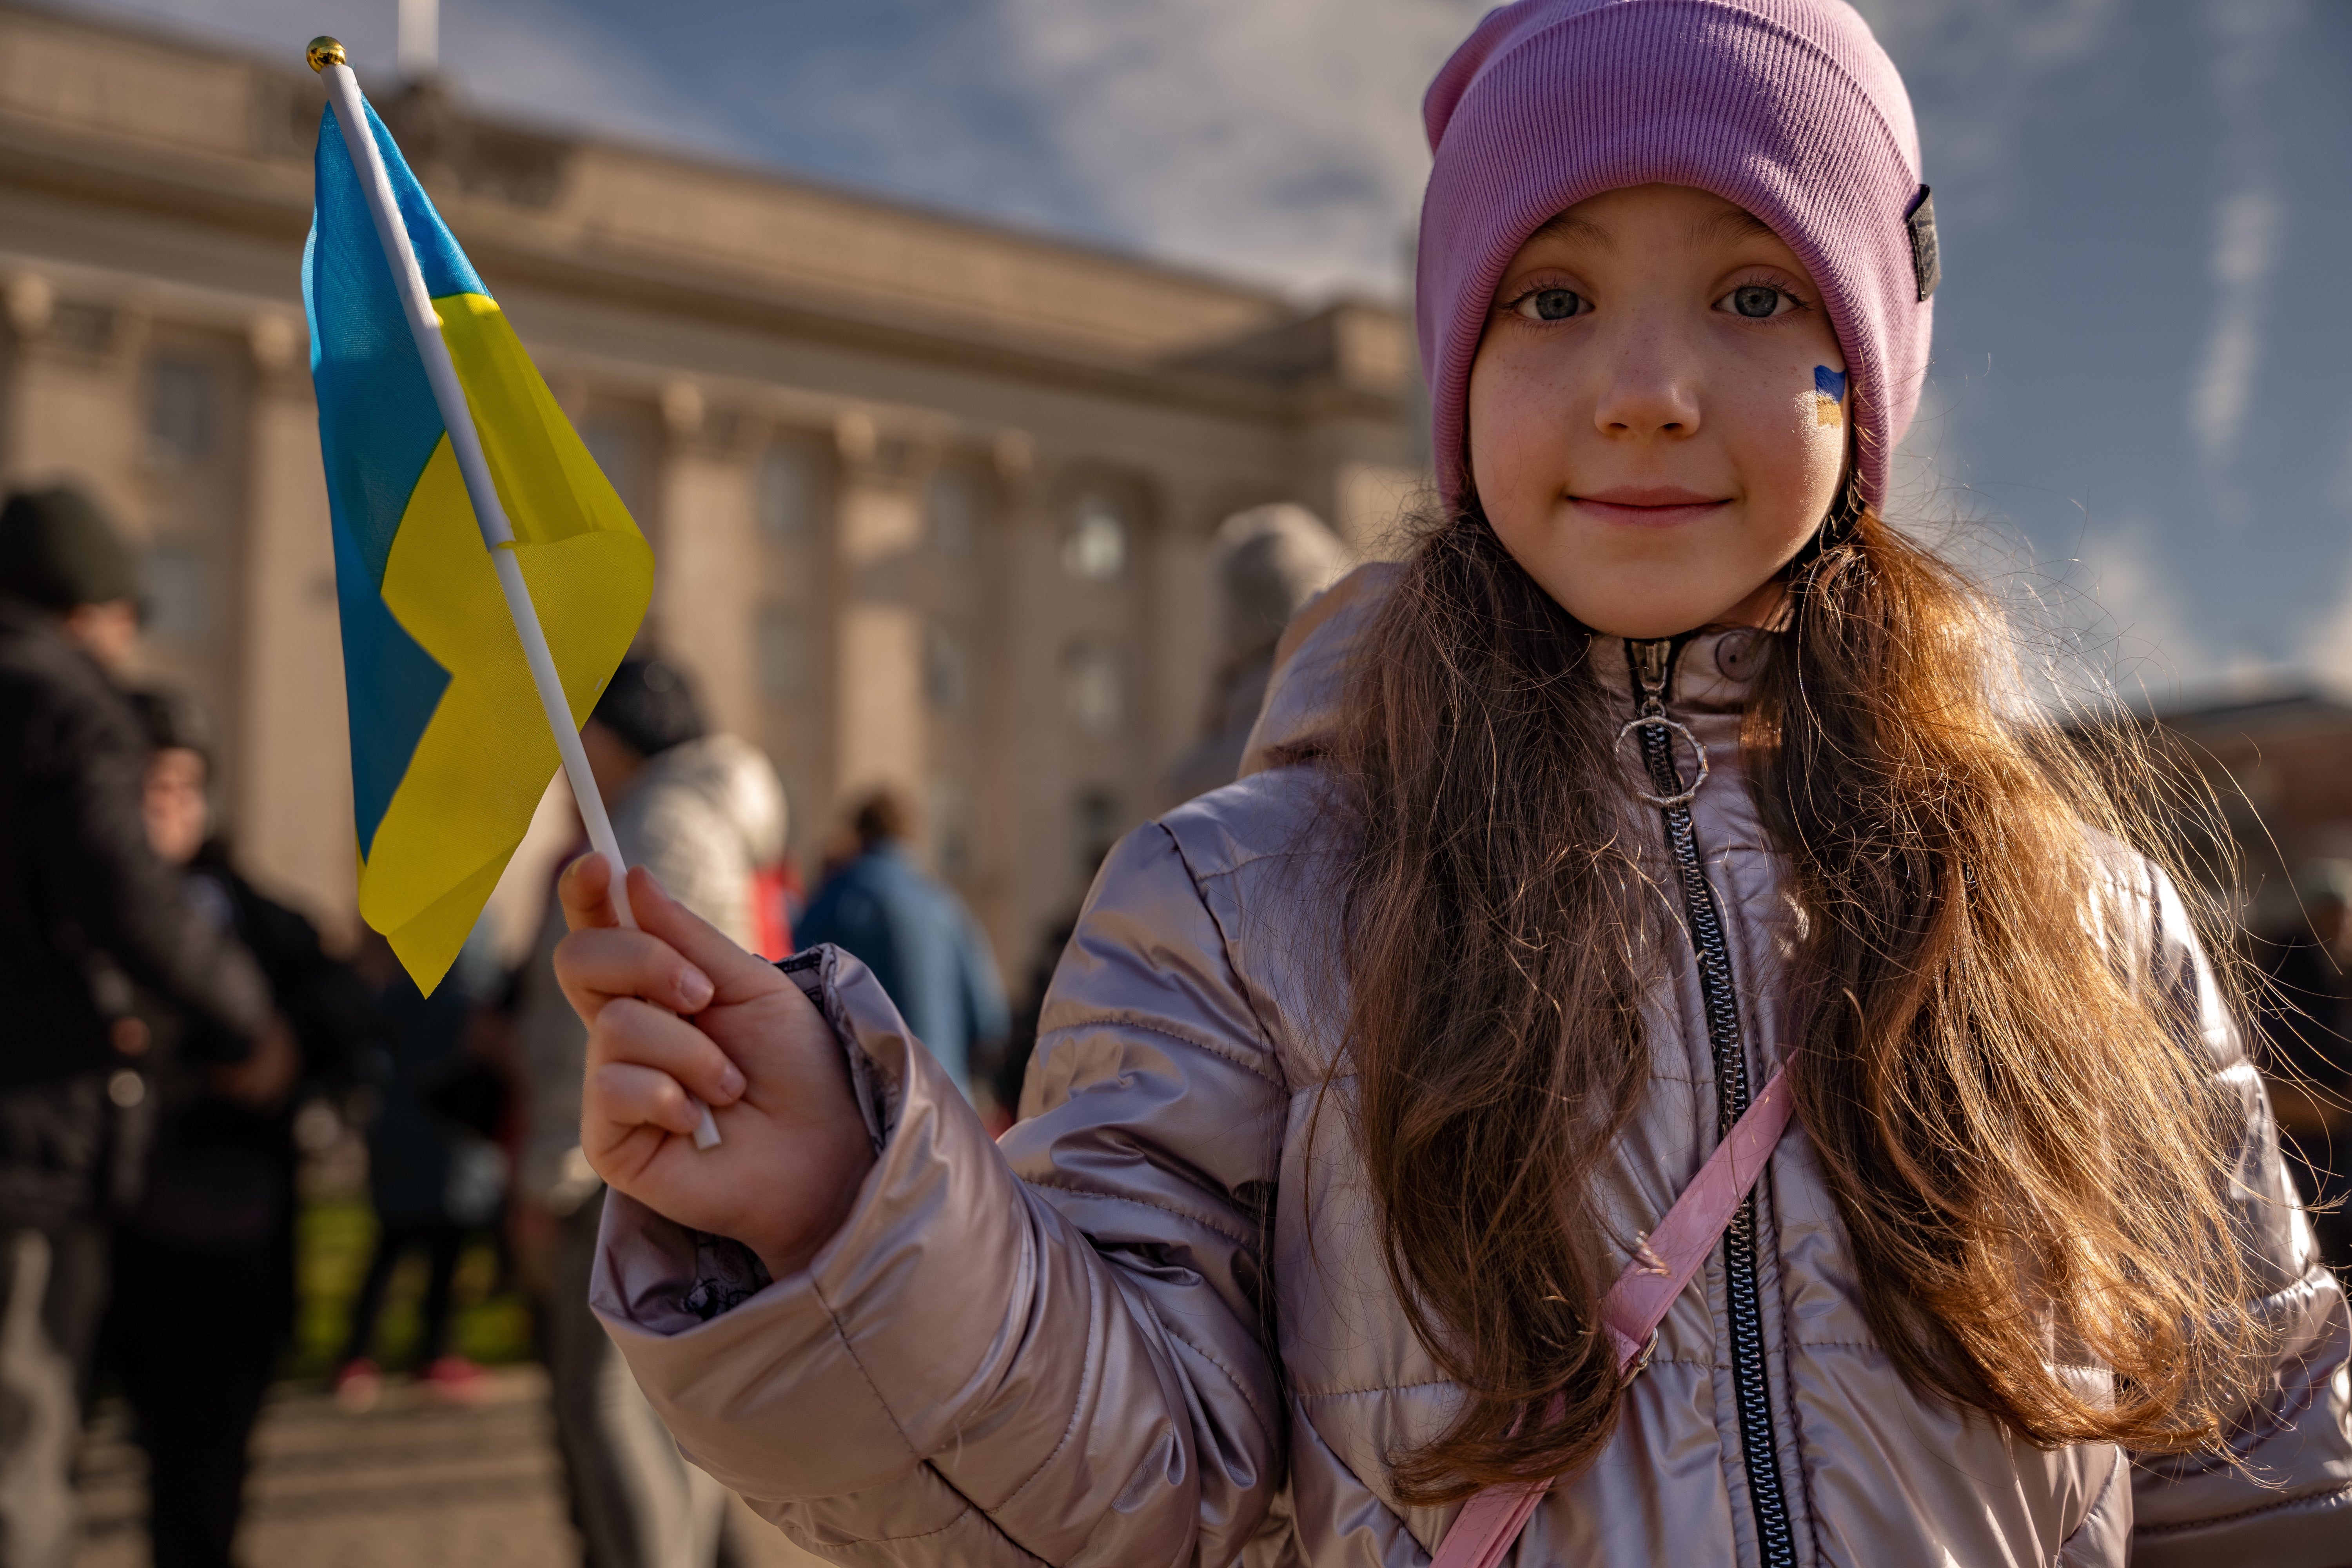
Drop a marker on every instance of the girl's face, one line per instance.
(1657, 412)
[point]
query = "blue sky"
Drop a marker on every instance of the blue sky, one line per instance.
(2141, 406)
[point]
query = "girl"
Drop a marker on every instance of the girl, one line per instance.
(1403, 1170)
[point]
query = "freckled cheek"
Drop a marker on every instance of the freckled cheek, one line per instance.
(1514, 436)
(1826, 450)
(1789, 468)
(1810, 435)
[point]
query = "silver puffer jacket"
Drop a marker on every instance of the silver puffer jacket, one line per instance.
(1111, 1339)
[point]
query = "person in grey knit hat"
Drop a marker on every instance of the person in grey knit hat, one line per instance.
(1266, 562)
(58, 552)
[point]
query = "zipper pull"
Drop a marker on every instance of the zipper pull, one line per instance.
(1650, 662)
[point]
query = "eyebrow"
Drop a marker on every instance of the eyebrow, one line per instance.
(1730, 223)
(1567, 226)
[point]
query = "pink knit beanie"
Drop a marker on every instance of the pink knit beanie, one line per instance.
(1786, 107)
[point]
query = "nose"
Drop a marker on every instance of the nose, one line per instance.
(1651, 387)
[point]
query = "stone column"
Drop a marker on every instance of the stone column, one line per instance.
(877, 668)
(73, 410)
(293, 805)
(1359, 462)
(1029, 744)
(708, 584)
(26, 301)
(1180, 656)
(1013, 788)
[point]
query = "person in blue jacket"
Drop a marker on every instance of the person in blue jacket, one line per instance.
(916, 936)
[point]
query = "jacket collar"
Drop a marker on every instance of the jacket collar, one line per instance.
(1713, 672)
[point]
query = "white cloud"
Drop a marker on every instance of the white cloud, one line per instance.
(1993, 62)
(2245, 245)
(2144, 627)
(2249, 214)
(549, 61)
(2102, 622)
(1282, 138)
(2327, 649)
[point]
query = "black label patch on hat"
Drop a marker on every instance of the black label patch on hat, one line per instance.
(1921, 221)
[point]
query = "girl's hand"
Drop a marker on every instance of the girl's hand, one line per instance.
(674, 1010)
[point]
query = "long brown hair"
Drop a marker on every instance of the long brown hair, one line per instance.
(2014, 1122)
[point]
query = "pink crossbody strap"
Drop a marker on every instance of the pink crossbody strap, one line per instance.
(1489, 1522)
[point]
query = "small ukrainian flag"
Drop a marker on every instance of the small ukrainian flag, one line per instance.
(450, 752)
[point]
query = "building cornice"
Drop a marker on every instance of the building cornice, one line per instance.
(262, 202)
(579, 234)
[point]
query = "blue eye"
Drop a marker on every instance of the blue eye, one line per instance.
(1756, 301)
(1551, 305)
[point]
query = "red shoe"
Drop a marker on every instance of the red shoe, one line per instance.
(456, 1381)
(357, 1386)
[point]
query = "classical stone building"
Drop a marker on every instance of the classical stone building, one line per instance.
(930, 498)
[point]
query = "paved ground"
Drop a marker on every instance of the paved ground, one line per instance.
(410, 1485)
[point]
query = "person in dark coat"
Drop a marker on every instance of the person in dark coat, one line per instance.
(916, 937)
(432, 1180)
(87, 909)
(203, 1263)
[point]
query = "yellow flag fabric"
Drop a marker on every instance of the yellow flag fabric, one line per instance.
(485, 758)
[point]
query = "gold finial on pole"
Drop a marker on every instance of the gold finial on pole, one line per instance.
(325, 51)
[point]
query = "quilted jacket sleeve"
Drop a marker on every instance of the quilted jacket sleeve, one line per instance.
(1051, 1352)
(2287, 1500)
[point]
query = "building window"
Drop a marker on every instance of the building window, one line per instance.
(1095, 549)
(179, 593)
(783, 651)
(1093, 687)
(1094, 829)
(787, 492)
(947, 668)
(954, 507)
(86, 329)
(179, 394)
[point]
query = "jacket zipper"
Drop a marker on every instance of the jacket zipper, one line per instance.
(1653, 669)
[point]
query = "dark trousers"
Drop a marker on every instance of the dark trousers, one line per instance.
(193, 1336)
(440, 1241)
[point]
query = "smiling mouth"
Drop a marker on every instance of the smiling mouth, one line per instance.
(1650, 507)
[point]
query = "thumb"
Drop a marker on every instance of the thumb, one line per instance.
(585, 891)
(734, 972)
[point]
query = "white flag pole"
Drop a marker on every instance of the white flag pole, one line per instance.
(327, 58)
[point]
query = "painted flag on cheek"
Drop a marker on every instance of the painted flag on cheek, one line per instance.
(1829, 395)
(451, 750)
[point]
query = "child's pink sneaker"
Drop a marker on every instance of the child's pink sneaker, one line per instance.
(357, 1386)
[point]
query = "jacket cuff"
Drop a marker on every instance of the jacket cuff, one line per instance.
(737, 1366)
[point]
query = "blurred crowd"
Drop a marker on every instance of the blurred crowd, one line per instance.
(177, 1044)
